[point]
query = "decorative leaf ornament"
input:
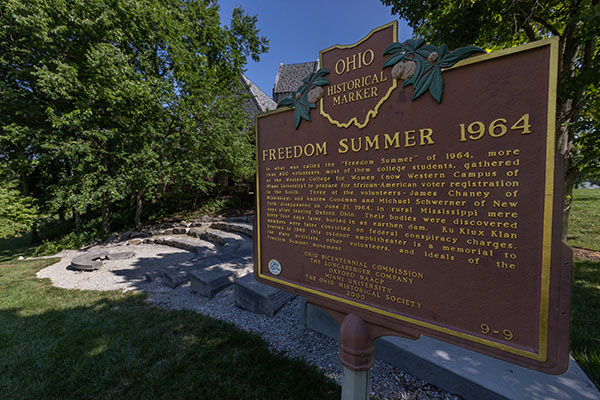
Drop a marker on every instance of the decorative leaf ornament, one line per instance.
(421, 64)
(305, 97)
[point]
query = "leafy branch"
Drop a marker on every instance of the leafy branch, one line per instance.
(421, 64)
(306, 96)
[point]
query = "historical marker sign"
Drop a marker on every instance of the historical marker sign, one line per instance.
(422, 193)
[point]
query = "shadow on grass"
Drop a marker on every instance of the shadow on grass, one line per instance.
(13, 248)
(590, 198)
(57, 343)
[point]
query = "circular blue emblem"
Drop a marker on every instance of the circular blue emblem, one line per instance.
(274, 267)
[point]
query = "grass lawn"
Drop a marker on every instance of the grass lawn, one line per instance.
(12, 248)
(57, 343)
(584, 221)
(585, 318)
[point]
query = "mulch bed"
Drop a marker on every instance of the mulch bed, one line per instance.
(588, 255)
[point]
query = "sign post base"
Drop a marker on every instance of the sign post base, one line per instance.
(356, 385)
(356, 355)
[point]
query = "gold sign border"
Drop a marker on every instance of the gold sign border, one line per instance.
(547, 219)
(371, 113)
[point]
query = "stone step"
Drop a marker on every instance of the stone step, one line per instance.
(198, 231)
(120, 256)
(158, 232)
(238, 266)
(134, 235)
(258, 298)
(172, 279)
(244, 219)
(212, 242)
(221, 237)
(180, 274)
(240, 248)
(198, 246)
(236, 227)
(150, 276)
(209, 283)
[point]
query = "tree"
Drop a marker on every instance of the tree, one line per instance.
(505, 23)
(587, 144)
(114, 98)
(17, 212)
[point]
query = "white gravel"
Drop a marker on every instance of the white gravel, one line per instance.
(283, 332)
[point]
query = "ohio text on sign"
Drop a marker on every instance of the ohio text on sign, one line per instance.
(440, 219)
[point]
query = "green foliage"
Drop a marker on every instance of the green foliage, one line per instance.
(300, 101)
(69, 241)
(500, 23)
(586, 155)
(429, 63)
(506, 23)
(17, 212)
(106, 100)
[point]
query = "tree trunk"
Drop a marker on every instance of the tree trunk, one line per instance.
(105, 214)
(138, 209)
(25, 182)
(570, 178)
(35, 237)
(77, 221)
(61, 215)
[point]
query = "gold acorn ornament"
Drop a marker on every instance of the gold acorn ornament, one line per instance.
(315, 94)
(305, 97)
(404, 70)
(421, 64)
(433, 57)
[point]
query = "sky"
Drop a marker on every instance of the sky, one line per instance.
(298, 30)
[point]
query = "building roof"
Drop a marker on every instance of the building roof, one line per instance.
(262, 101)
(289, 77)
